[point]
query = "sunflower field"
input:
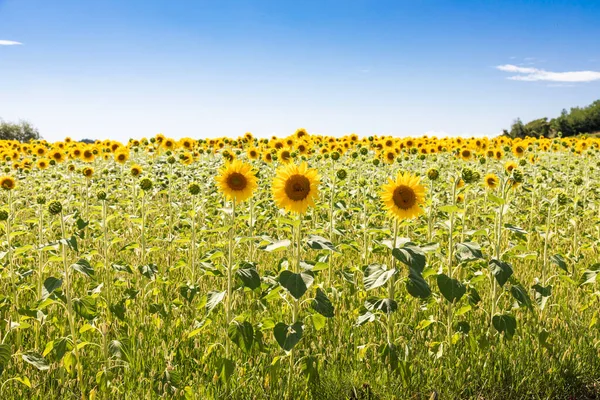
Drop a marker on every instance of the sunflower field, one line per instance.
(305, 267)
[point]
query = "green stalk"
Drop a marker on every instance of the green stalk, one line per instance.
(228, 317)
(70, 315)
(392, 288)
(296, 305)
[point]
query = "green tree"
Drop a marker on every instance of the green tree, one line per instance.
(22, 131)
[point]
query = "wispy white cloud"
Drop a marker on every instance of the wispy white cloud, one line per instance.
(535, 74)
(9, 43)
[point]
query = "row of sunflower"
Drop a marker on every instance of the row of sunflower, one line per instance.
(300, 144)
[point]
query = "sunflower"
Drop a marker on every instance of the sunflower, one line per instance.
(509, 166)
(253, 153)
(284, 156)
(491, 181)
(403, 197)
(57, 156)
(389, 156)
(295, 187)
(466, 154)
(88, 172)
(122, 156)
(8, 183)
(88, 155)
(237, 181)
(42, 163)
(136, 170)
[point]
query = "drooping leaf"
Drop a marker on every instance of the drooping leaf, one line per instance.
(296, 284)
(249, 277)
(213, 299)
(149, 270)
(505, 323)
(468, 251)
(559, 260)
(84, 267)
(50, 285)
(322, 304)
(500, 270)
(319, 243)
(590, 275)
(410, 255)
(416, 286)
(451, 289)
(242, 334)
(376, 275)
(86, 307)
(5, 354)
(275, 246)
(36, 360)
(288, 336)
(520, 294)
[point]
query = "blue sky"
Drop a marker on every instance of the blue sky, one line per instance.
(119, 69)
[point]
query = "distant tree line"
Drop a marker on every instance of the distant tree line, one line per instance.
(22, 131)
(578, 120)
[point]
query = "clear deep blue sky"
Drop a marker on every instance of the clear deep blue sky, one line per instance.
(129, 68)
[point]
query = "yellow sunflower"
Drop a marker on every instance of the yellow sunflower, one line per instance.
(509, 166)
(88, 172)
(236, 181)
(403, 197)
(8, 183)
(136, 170)
(295, 187)
(122, 156)
(491, 181)
(42, 163)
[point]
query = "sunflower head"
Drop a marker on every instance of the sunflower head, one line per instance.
(88, 172)
(295, 187)
(491, 181)
(403, 197)
(136, 170)
(237, 181)
(8, 183)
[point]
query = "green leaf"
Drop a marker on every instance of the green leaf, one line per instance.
(149, 271)
(590, 275)
(318, 321)
(189, 291)
(225, 369)
(296, 284)
(451, 288)
(242, 334)
(560, 262)
(376, 275)
(322, 304)
(122, 268)
(416, 286)
(410, 255)
(288, 336)
(500, 270)
(213, 299)
(364, 318)
(542, 294)
(249, 277)
(36, 360)
(86, 307)
(505, 323)
(5, 354)
(84, 267)
(498, 200)
(468, 251)
(319, 243)
(275, 246)
(515, 229)
(520, 294)
(24, 380)
(387, 306)
(49, 286)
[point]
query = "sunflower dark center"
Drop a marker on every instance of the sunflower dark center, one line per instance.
(236, 181)
(404, 197)
(297, 187)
